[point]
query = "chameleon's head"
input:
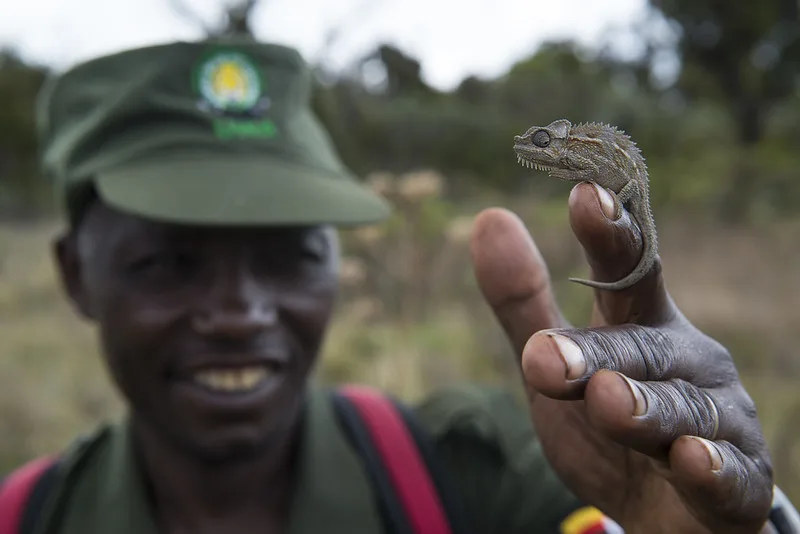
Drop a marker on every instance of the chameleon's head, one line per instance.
(541, 147)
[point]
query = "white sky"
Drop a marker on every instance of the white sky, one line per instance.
(451, 38)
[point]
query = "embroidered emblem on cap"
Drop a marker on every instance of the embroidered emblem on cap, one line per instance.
(231, 87)
(228, 81)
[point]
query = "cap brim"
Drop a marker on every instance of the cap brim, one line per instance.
(239, 190)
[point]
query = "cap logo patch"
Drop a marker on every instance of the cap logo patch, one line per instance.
(228, 82)
(231, 88)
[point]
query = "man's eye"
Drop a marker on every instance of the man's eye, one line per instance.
(315, 248)
(159, 261)
(313, 253)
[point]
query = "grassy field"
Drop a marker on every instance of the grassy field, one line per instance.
(412, 320)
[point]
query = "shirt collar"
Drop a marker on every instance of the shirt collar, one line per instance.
(333, 493)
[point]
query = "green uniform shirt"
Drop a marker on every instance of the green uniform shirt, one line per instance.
(484, 439)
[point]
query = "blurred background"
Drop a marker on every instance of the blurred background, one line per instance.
(422, 99)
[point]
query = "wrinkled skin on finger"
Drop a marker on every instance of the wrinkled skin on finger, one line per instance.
(640, 413)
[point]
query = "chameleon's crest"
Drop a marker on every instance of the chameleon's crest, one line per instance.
(559, 129)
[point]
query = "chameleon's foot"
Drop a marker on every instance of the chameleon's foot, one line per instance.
(618, 207)
(609, 286)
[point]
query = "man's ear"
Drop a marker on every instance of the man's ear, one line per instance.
(70, 270)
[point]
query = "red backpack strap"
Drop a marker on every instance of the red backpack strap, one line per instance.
(16, 491)
(405, 469)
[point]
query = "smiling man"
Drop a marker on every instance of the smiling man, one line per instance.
(202, 197)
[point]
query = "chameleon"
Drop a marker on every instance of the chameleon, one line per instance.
(607, 156)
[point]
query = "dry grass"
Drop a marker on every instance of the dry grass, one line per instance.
(741, 286)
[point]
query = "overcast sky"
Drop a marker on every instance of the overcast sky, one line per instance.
(451, 38)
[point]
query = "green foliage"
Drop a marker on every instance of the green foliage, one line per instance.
(745, 54)
(692, 145)
(737, 50)
(19, 84)
(690, 134)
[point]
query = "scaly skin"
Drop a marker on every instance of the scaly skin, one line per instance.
(592, 152)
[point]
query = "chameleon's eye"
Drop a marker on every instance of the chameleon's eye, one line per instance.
(541, 139)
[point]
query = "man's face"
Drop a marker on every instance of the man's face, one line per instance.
(210, 333)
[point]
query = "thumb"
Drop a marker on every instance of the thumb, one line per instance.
(613, 245)
(513, 276)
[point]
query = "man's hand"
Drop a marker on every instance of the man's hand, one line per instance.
(642, 415)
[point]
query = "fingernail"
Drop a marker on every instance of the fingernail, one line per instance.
(639, 400)
(571, 354)
(607, 203)
(714, 457)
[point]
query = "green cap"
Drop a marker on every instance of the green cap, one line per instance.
(211, 132)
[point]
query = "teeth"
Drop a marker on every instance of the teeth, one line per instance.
(533, 165)
(243, 379)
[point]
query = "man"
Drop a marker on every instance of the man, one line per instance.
(202, 196)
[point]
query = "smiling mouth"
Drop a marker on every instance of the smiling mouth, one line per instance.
(229, 380)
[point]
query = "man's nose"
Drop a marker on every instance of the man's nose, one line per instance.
(236, 305)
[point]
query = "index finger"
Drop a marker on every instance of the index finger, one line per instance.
(513, 276)
(613, 247)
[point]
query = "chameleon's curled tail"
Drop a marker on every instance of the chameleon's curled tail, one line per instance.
(648, 258)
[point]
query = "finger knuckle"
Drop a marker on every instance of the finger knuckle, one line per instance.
(688, 407)
(746, 404)
(642, 353)
(715, 360)
(655, 347)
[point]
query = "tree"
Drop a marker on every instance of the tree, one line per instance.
(747, 55)
(403, 72)
(235, 20)
(19, 84)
